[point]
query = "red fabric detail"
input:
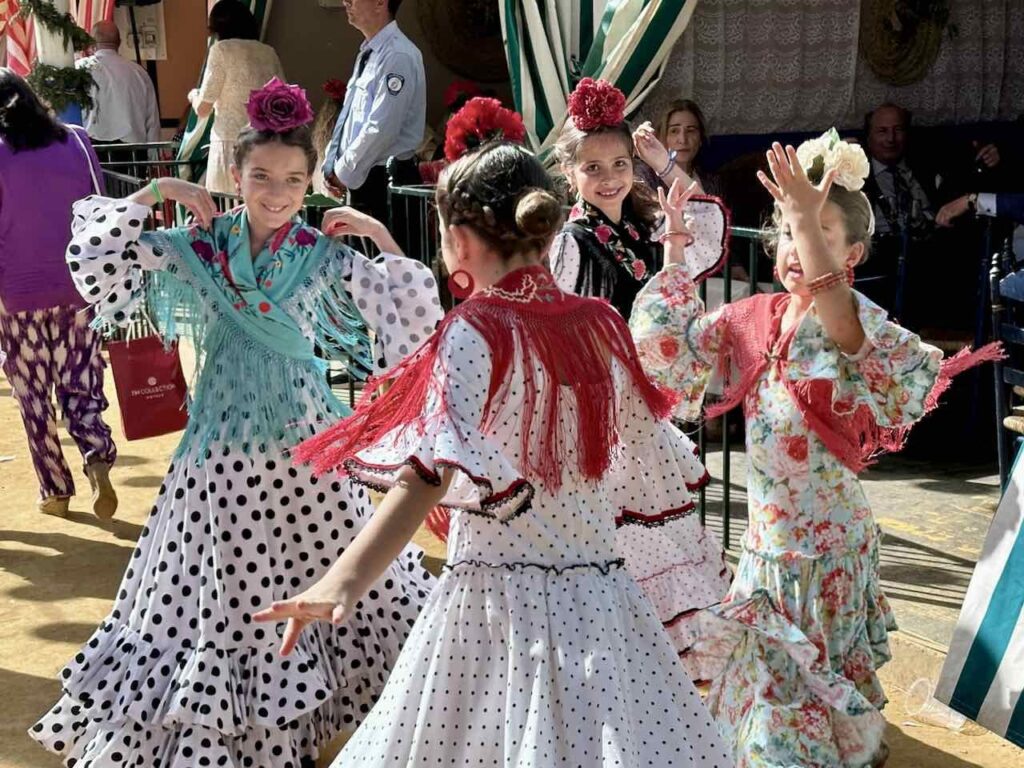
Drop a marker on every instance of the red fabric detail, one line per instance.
(753, 343)
(570, 338)
(596, 104)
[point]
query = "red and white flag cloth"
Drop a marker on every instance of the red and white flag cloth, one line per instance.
(21, 39)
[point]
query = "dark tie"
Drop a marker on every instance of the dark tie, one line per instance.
(333, 149)
(902, 193)
(363, 58)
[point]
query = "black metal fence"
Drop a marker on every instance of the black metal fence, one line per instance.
(414, 207)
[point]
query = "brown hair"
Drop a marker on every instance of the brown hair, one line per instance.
(857, 218)
(301, 137)
(642, 197)
(503, 194)
(684, 105)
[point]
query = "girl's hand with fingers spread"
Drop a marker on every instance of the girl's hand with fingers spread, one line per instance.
(676, 235)
(315, 604)
(789, 185)
(674, 202)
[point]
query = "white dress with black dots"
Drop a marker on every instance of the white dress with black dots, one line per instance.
(536, 648)
(178, 675)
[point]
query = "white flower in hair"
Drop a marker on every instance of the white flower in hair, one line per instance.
(828, 152)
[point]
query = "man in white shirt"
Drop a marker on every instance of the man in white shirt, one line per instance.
(383, 114)
(124, 100)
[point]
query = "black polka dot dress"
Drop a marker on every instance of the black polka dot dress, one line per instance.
(536, 648)
(178, 674)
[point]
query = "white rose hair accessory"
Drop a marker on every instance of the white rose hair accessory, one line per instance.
(829, 152)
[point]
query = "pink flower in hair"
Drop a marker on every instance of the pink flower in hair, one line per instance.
(278, 107)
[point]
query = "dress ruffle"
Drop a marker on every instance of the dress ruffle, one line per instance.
(179, 675)
(679, 565)
(793, 696)
(567, 669)
(127, 701)
(485, 482)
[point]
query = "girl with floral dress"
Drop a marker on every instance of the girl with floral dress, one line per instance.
(826, 381)
(608, 249)
(179, 674)
(521, 416)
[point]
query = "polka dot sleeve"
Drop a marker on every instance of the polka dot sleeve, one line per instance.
(485, 480)
(108, 253)
(398, 299)
(564, 258)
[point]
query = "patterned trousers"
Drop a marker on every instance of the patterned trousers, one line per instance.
(54, 351)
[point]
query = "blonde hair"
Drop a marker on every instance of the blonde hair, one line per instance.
(858, 220)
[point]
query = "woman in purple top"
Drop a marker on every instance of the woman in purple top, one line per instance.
(44, 324)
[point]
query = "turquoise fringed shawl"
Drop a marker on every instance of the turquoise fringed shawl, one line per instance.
(255, 325)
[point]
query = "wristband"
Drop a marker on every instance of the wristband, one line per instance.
(671, 162)
(669, 234)
(155, 189)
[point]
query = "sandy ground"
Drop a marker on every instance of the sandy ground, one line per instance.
(57, 578)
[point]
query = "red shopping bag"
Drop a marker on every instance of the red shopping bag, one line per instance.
(151, 390)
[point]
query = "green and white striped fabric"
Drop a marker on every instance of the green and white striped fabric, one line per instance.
(197, 132)
(983, 676)
(552, 44)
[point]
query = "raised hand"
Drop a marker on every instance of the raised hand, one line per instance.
(347, 221)
(195, 198)
(649, 147)
(789, 185)
(674, 202)
(315, 604)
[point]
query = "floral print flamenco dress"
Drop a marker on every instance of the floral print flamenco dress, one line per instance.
(794, 648)
(178, 675)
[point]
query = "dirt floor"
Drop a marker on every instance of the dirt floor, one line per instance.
(57, 578)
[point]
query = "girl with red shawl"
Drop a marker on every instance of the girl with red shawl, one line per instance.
(826, 381)
(525, 416)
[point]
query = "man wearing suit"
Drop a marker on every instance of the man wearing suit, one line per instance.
(905, 199)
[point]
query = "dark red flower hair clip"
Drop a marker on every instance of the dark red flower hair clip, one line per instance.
(596, 104)
(335, 89)
(479, 121)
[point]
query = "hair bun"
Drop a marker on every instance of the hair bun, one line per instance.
(538, 214)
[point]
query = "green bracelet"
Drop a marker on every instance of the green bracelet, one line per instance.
(155, 189)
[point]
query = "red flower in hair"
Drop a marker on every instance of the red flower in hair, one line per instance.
(596, 104)
(335, 89)
(459, 89)
(479, 121)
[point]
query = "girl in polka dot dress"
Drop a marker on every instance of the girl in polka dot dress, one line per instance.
(525, 416)
(179, 674)
(609, 248)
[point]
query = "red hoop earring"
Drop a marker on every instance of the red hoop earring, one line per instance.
(849, 275)
(458, 290)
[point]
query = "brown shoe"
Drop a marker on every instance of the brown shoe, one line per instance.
(104, 500)
(54, 505)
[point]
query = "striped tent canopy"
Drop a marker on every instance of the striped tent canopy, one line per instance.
(195, 142)
(19, 33)
(552, 44)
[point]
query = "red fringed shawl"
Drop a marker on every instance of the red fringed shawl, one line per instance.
(561, 344)
(754, 343)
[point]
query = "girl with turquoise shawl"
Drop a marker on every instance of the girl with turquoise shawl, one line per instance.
(178, 674)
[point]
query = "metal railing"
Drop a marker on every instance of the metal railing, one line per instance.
(414, 207)
(417, 209)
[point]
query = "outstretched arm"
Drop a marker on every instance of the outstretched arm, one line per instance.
(389, 530)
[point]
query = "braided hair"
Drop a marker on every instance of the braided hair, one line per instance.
(501, 192)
